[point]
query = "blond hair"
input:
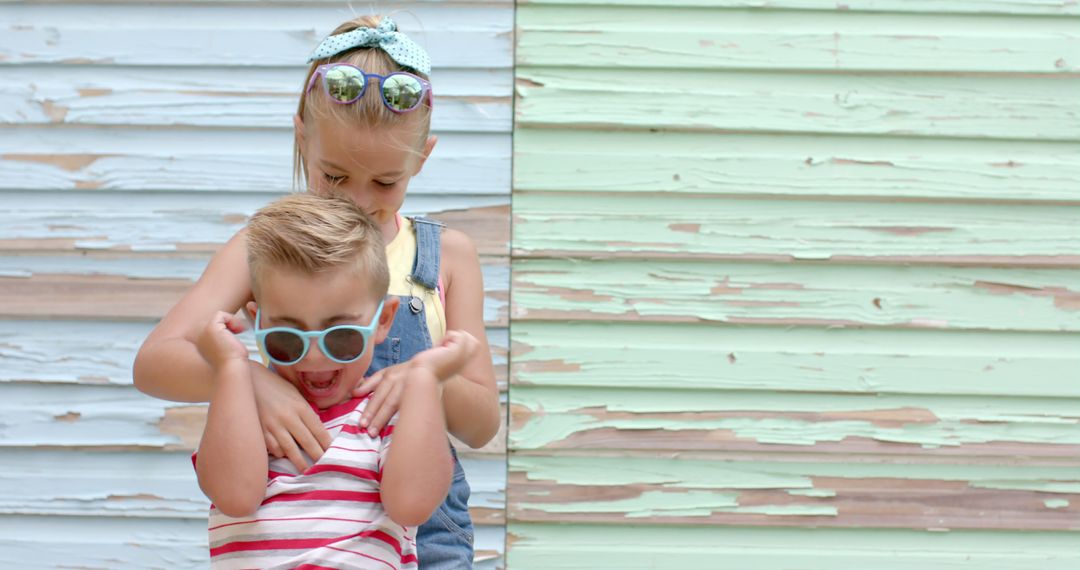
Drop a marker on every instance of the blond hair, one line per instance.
(312, 234)
(369, 110)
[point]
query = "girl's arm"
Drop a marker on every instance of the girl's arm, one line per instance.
(471, 398)
(231, 462)
(169, 366)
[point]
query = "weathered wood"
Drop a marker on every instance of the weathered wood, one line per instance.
(805, 293)
(609, 547)
(764, 165)
(680, 492)
(184, 34)
(700, 420)
(231, 160)
(1011, 7)
(706, 38)
(592, 224)
(879, 104)
(794, 359)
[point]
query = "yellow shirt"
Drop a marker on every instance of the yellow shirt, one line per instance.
(400, 255)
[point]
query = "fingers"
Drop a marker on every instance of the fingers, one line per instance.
(291, 451)
(387, 408)
(369, 384)
(235, 324)
(317, 438)
(272, 446)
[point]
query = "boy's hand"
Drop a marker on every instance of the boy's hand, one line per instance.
(388, 384)
(217, 342)
(447, 359)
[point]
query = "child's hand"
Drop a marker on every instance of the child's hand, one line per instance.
(450, 357)
(388, 384)
(217, 343)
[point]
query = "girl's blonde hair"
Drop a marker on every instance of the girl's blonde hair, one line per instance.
(369, 110)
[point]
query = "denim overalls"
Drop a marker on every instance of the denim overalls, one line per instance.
(445, 541)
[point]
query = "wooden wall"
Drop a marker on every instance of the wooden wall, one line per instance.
(796, 284)
(135, 138)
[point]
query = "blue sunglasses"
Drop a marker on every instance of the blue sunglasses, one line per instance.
(342, 343)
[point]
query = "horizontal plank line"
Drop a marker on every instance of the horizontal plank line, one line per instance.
(1002, 261)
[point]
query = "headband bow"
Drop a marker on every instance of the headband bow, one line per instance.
(397, 45)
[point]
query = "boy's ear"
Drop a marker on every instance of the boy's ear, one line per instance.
(429, 145)
(386, 319)
(250, 309)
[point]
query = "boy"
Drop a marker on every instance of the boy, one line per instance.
(319, 279)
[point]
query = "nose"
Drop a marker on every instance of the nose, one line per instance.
(315, 356)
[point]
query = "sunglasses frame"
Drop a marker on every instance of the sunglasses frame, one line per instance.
(365, 332)
(425, 86)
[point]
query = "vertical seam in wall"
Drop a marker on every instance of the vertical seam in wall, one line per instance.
(510, 285)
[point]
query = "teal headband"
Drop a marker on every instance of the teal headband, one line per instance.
(397, 45)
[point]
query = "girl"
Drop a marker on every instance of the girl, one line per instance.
(362, 130)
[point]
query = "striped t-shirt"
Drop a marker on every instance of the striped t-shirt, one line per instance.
(329, 516)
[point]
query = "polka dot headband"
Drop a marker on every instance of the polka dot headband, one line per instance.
(397, 45)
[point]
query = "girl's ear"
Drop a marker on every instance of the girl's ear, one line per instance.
(386, 319)
(429, 145)
(298, 126)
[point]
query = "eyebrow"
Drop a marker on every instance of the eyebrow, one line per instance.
(327, 165)
(295, 323)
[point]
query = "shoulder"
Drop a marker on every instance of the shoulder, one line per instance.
(458, 253)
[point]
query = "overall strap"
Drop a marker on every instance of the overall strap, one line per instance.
(428, 251)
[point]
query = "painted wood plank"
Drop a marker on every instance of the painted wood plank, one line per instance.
(707, 38)
(801, 293)
(618, 490)
(596, 547)
(572, 160)
(102, 352)
(1016, 7)
(252, 97)
(182, 34)
(162, 221)
(794, 359)
(593, 224)
(844, 425)
(880, 104)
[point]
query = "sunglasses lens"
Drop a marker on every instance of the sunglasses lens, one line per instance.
(344, 83)
(344, 345)
(284, 347)
(402, 92)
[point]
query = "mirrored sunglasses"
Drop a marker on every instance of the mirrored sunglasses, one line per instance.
(344, 83)
(342, 343)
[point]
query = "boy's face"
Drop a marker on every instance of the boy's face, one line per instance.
(291, 298)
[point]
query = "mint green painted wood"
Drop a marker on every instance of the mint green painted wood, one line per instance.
(794, 165)
(708, 38)
(1040, 108)
(795, 285)
(823, 294)
(597, 223)
(609, 355)
(608, 547)
(1016, 7)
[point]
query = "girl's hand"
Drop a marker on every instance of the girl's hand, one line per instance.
(288, 422)
(388, 384)
(217, 343)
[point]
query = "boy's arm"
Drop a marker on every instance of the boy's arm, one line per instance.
(231, 462)
(418, 469)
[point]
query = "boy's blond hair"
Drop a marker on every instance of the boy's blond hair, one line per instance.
(311, 234)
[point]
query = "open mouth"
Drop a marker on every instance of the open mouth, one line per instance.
(320, 384)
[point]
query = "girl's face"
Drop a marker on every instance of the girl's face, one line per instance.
(372, 166)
